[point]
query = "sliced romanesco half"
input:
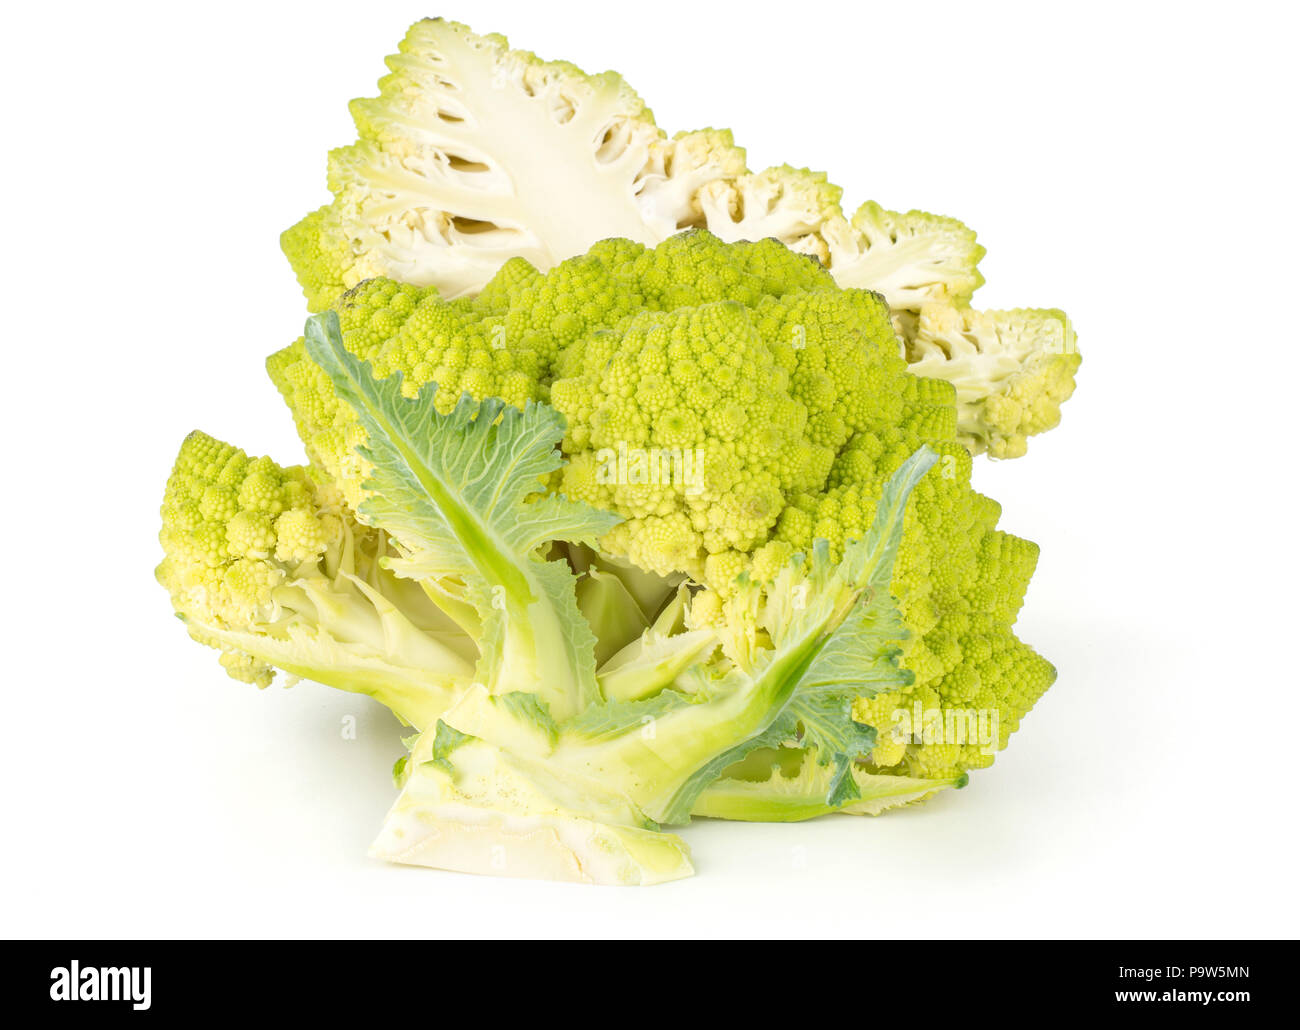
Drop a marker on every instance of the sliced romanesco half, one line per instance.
(474, 153)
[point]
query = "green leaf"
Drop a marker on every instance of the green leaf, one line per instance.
(446, 739)
(529, 708)
(653, 663)
(611, 719)
(611, 610)
(453, 488)
(460, 493)
(780, 797)
(874, 555)
(826, 726)
(399, 772)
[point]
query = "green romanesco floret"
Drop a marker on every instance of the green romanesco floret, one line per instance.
(269, 566)
(702, 420)
(232, 527)
(319, 249)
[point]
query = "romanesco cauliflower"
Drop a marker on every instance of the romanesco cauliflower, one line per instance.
(732, 405)
(639, 484)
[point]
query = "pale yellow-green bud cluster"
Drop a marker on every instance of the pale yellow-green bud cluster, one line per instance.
(234, 529)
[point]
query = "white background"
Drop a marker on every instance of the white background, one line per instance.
(1133, 164)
